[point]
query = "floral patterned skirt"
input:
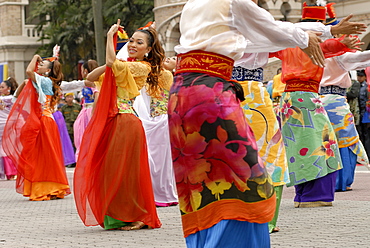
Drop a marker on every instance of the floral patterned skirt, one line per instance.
(309, 138)
(217, 169)
(342, 121)
(259, 113)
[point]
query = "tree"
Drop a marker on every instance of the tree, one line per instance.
(70, 24)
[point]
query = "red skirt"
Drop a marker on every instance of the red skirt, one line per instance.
(117, 181)
(41, 164)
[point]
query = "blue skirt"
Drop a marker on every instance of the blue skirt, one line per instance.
(231, 233)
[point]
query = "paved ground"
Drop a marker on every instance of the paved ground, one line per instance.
(56, 223)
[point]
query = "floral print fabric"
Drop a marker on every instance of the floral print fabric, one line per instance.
(311, 146)
(214, 152)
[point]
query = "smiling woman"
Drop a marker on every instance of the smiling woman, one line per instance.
(114, 150)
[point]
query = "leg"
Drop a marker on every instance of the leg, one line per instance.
(272, 223)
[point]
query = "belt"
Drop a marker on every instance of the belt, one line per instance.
(197, 61)
(333, 89)
(298, 85)
(243, 74)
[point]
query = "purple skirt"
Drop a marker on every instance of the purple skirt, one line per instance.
(68, 152)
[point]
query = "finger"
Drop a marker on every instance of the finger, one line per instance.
(319, 56)
(346, 19)
(118, 22)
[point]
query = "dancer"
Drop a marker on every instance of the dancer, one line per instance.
(312, 165)
(258, 110)
(112, 182)
(152, 111)
(334, 84)
(224, 190)
(31, 138)
(7, 89)
(84, 116)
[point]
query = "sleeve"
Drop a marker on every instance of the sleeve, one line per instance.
(166, 79)
(315, 26)
(354, 61)
(333, 47)
(130, 77)
(38, 86)
(72, 86)
(264, 34)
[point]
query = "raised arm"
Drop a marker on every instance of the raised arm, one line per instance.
(30, 71)
(111, 53)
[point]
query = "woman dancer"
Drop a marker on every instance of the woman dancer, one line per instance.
(7, 89)
(84, 116)
(112, 179)
(152, 110)
(31, 138)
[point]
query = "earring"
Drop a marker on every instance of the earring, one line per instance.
(146, 54)
(46, 73)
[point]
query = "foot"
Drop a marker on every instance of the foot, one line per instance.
(348, 188)
(137, 225)
(276, 229)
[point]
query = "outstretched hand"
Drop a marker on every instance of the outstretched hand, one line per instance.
(347, 27)
(314, 50)
(352, 42)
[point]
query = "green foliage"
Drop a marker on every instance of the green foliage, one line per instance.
(70, 24)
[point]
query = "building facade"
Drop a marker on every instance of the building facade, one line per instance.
(167, 15)
(18, 38)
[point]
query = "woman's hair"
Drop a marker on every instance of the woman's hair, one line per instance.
(90, 65)
(155, 58)
(56, 77)
(12, 84)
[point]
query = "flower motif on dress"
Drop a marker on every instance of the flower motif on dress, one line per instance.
(319, 106)
(200, 106)
(288, 110)
(235, 170)
(329, 143)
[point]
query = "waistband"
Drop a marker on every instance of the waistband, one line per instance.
(298, 85)
(205, 62)
(333, 89)
(243, 74)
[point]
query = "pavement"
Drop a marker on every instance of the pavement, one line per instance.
(57, 224)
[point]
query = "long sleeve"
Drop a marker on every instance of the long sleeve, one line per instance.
(354, 61)
(130, 77)
(333, 47)
(262, 31)
(72, 86)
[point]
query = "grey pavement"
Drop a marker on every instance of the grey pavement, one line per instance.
(56, 223)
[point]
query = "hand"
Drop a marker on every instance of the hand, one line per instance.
(37, 57)
(2, 105)
(347, 27)
(114, 28)
(352, 42)
(314, 50)
(89, 83)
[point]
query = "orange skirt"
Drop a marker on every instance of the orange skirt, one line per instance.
(43, 173)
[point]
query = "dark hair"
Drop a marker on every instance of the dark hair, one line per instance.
(361, 73)
(90, 65)
(155, 58)
(12, 84)
(56, 76)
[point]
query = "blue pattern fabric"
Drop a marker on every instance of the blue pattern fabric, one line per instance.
(242, 74)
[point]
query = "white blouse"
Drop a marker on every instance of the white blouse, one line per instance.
(336, 68)
(234, 27)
